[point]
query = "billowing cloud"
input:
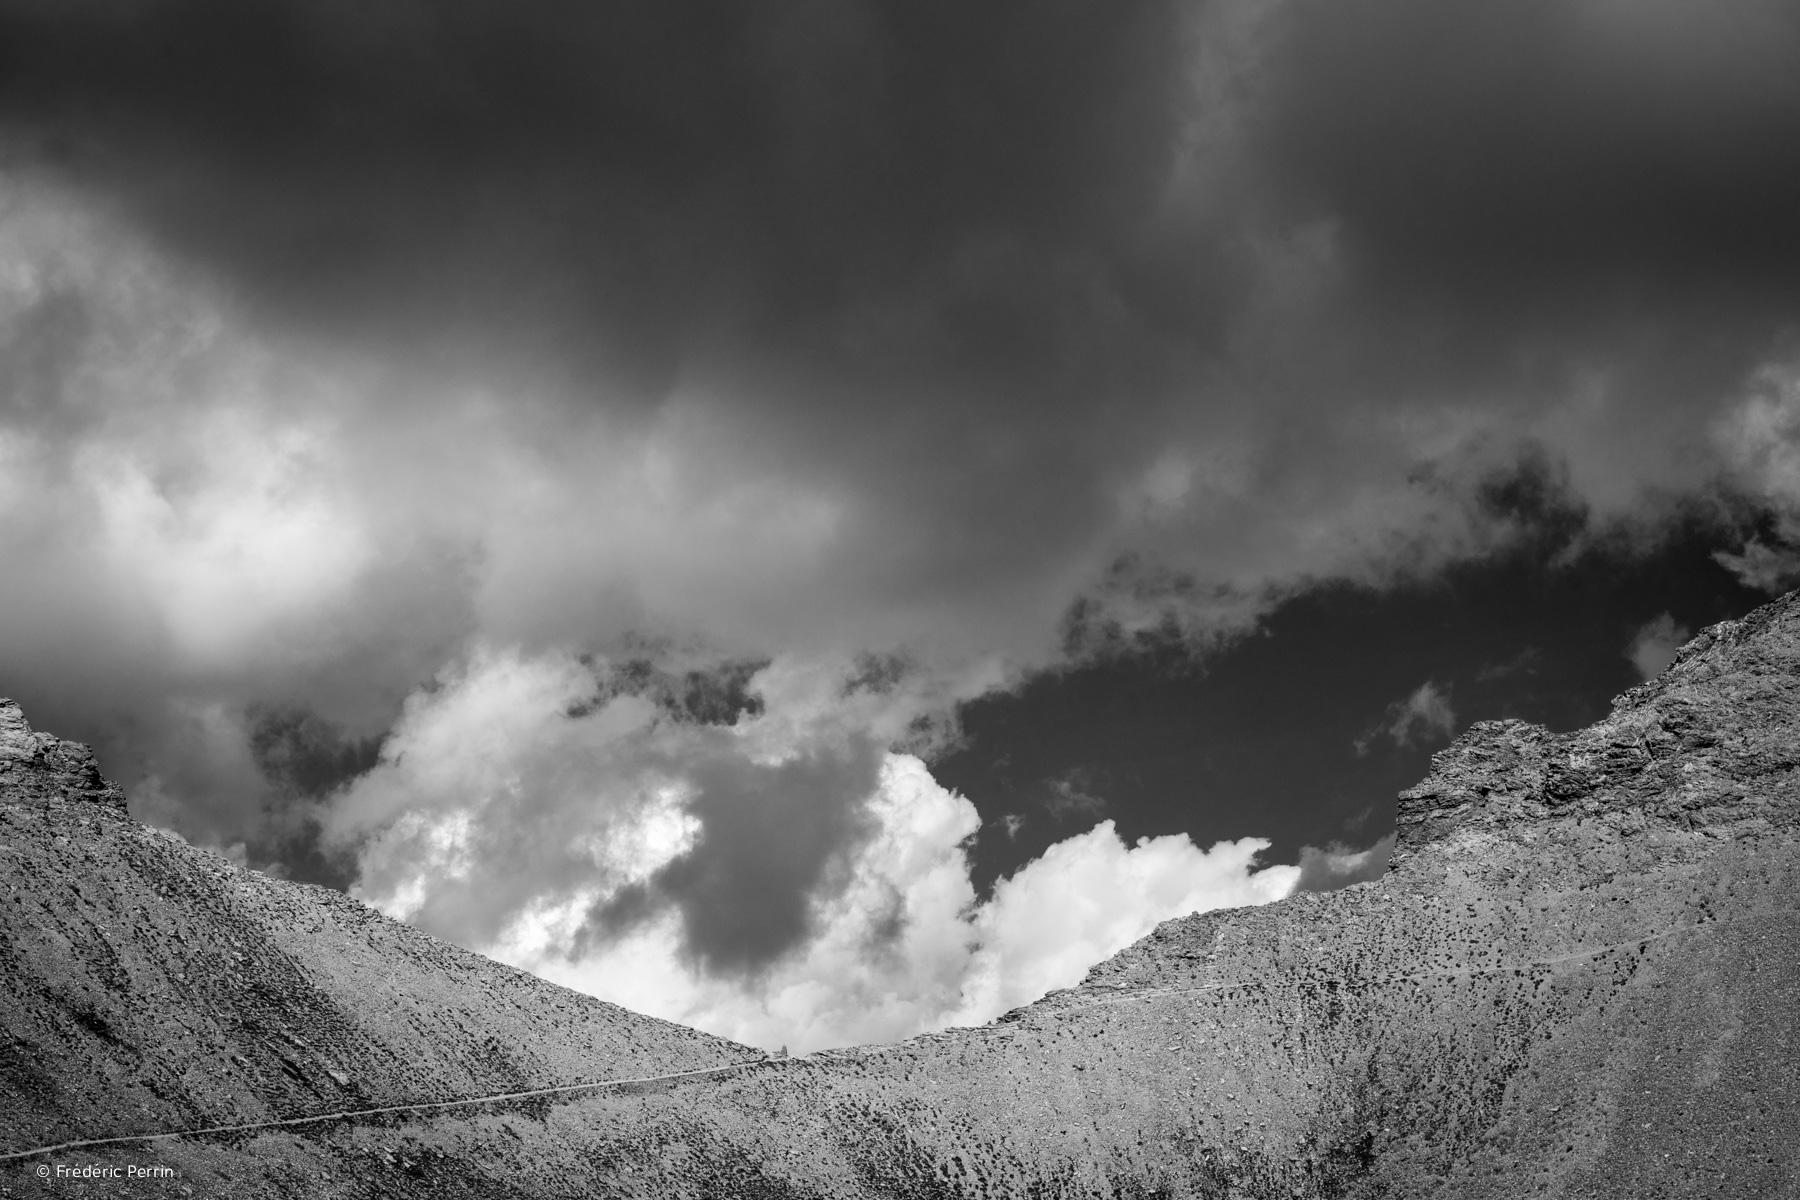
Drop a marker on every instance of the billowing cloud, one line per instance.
(906, 947)
(886, 953)
(191, 541)
(524, 778)
(1090, 896)
(1421, 716)
(1653, 646)
(780, 881)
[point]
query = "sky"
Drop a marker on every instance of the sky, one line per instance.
(823, 521)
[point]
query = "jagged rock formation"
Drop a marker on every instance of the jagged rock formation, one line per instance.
(1578, 979)
(37, 768)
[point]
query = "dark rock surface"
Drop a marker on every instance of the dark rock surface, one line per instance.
(1581, 978)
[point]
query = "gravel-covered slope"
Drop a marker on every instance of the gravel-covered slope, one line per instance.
(1578, 979)
(151, 986)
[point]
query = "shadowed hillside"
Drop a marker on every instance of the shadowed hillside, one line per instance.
(1578, 979)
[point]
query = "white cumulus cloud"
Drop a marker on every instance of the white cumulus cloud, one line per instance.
(1090, 896)
(644, 859)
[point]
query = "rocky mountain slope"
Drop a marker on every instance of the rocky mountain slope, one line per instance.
(153, 986)
(1578, 979)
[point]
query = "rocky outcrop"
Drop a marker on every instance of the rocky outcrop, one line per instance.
(1577, 980)
(38, 768)
(1709, 744)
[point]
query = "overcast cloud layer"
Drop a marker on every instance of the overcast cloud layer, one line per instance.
(557, 467)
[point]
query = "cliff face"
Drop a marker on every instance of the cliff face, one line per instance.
(1578, 979)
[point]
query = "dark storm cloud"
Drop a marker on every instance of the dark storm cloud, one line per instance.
(308, 756)
(304, 759)
(909, 251)
(1550, 150)
(909, 203)
(1014, 247)
(615, 183)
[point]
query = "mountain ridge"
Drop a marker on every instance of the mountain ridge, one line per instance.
(1576, 979)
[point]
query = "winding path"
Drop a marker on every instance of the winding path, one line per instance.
(423, 1106)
